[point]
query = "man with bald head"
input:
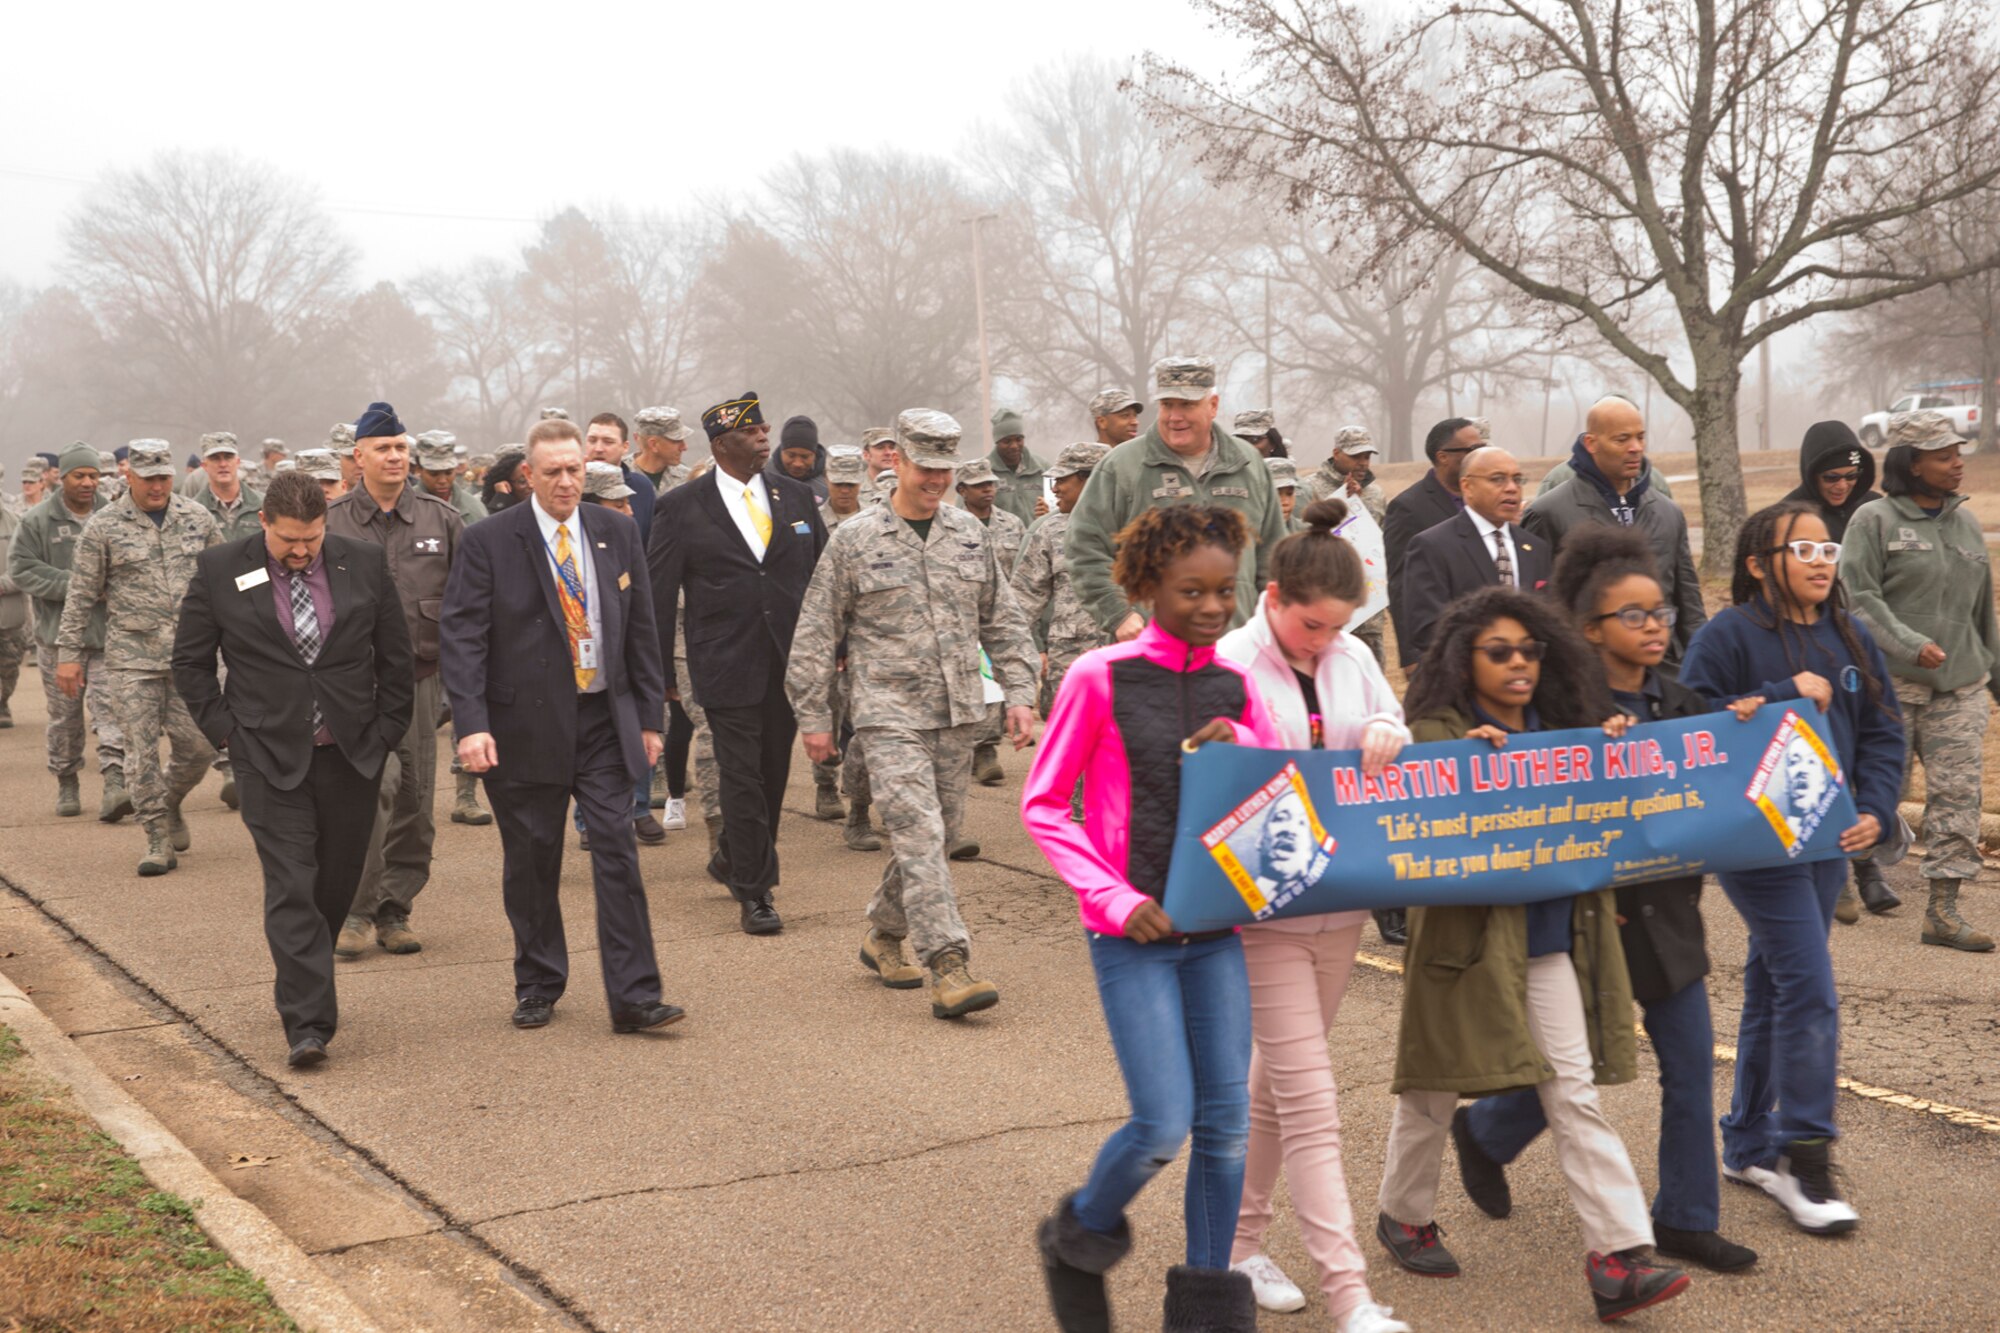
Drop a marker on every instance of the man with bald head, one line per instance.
(1481, 545)
(1613, 485)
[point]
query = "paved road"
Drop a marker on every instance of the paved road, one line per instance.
(809, 1150)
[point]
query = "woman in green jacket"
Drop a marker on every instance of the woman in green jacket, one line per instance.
(1496, 998)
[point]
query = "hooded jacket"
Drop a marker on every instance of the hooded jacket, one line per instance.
(1828, 445)
(817, 477)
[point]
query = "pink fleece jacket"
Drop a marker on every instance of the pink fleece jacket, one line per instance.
(1082, 739)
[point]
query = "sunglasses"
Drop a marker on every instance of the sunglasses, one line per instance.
(1635, 617)
(1841, 478)
(1810, 553)
(1499, 654)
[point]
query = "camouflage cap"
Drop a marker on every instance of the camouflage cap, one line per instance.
(480, 460)
(1106, 401)
(285, 464)
(1923, 431)
(844, 467)
(1076, 458)
(875, 435)
(1184, 378)
(929, 438)
(340, 439)
(107, 461)
(150, 458)
(976, 473)
(1355, 441)
(1007, 424)
(218, 442)
(664, 422)
(605, 481)
(1284, 472)
(275, 446)
(32, 469)
(507, 455)
(1485, 429)
(434, 451)
(555, 414)
(886, 479)
(319, 464)
(1254, 424)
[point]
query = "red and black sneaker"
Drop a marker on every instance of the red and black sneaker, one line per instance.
(1630, 1280)
(1416, 1248)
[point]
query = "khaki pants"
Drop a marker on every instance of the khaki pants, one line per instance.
(399, 847)
(1602, 1186)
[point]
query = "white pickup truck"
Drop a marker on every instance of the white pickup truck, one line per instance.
(1964, 415)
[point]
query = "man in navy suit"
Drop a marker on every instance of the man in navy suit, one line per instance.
(741, 543)
(1481, 545)
(552, 665)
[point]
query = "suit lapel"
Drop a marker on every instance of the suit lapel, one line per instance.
(605, 571)
(537, 552)
(263, 607)
(340, 589)
(710, 497)
(781, 522)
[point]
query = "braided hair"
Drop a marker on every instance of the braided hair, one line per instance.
(1571, 691)
(1769, 603)
(1158, 537)
(1593, 558)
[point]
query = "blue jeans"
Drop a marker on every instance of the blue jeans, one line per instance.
(641, 803)
(1179, 1016)
(1683, 1038)
(1789, 1041)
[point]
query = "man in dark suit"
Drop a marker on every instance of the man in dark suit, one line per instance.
(741, 543)
(552, 667)
(1430, 502)
(1481, 546)
(321, 680)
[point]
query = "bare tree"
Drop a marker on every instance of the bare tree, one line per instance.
(490, 337)
(395, 354)
(51, 353)
(646, 341)
(219, 283)
(569, 270)
(1759, 161)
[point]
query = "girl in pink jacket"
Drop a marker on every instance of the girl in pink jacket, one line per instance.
(1177, 1005)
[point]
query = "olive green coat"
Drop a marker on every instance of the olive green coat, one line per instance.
(1465, 988)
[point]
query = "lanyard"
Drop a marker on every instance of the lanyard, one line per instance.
(575, 585)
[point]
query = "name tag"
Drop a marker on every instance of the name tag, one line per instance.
(1240, 492)
(1909, 546)
(255, 578)
(586, 654)
(624, 582)
(1171, 492)
(803, 528)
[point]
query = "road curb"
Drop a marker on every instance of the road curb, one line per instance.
(298, 1285)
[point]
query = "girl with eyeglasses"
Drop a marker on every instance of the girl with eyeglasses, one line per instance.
(1606, 578)
(1789, 636)
(1497, 998)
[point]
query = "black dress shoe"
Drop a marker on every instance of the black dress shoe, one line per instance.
(649, 830)
(760, 918)
(306, 1052)
(1706, 1248)
(646, 1016)
(534, 1012)
(1876, 895)
(1394, 926)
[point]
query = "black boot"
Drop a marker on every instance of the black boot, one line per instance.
(1074, 1262)
(1876, 895)
(1209, 1300)
(1393, 925)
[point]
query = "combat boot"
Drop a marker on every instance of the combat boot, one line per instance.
(177, 829)
(117, 802)
(229, 790)
(69, 801)
(1847, 908)
(954, 993)
(393, 933)
(1943, 925)
(963, 849)
(858, 835)
(356, 934)
(887, 958)
(656, 796)
(986, 770)
(826, 801)
(159, 858)
(1876, 895)
(466, 809)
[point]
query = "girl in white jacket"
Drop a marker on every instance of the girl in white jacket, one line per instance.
(1323, 690)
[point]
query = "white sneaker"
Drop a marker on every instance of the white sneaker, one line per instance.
(1371, 1318)
(1756, 1177)
(675, 815)
(1274, 1291)
(1804, 1187)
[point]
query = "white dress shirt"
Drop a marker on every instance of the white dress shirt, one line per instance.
(586, 569)
(732, 492)
(1495, 539)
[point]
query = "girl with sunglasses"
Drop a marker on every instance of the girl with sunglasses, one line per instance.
(1605, 576)
(1497, 998)
(1789, 636)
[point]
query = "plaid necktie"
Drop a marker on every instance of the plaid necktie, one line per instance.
(305, 631)
(576, 621)
(1501, 560)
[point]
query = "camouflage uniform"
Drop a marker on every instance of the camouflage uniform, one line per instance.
(1041, 580)
(844, 468)
(140, 573)
(1328, 482)
(16, 632)
(43, 550)
(663, 423)
(915, 615)
(1008, 534)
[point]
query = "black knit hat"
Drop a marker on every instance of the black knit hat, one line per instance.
(798, 433)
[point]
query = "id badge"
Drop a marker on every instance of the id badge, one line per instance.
(586, 654)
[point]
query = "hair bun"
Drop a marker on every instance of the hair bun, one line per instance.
(1325, 515)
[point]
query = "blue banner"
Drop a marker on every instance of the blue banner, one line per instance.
(1276, 833)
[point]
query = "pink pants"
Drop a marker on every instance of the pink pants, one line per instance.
(1296, 981)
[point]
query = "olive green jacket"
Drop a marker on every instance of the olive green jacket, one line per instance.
(1142, 474)
(1916, 580)
(39, 563)
(240, 524)
(1465, 988)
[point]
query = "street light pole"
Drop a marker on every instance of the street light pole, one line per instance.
(979, 313)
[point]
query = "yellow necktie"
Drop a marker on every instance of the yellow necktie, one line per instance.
(576, 621)
(758, 518)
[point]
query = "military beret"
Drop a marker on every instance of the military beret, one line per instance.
(744, 410)
(605, 481)
(1254, 424)
(76, 456)
(1007, 424)
(844, 467)
(1284, 472)
(379, 420)
(1923, 431)
(1184, 378)
(929, 438)
(1076, 458)
(664, 422)
(1355, 441)
(46, 457)
(150, 458)
(1107, 401)
(976, 473)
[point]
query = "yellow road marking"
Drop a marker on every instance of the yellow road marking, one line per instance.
(1957, 1115)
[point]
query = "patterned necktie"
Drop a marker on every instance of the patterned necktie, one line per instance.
(305, 631)
(758, 518)
(576, 623)
(1501, 560)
